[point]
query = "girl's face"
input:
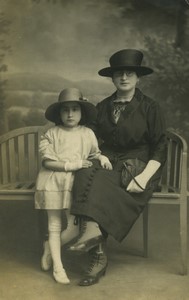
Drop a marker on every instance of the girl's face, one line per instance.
(70, 114)
(125, 80)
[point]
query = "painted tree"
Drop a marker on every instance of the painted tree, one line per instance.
(182, 34)
(4, 25)
(170, 60)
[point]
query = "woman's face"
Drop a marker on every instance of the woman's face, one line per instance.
(70, 114)
(125, 80)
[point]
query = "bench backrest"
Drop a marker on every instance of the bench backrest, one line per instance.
(174, 177)
(19, 156)
(20, 159)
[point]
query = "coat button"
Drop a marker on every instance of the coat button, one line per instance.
(85, 193)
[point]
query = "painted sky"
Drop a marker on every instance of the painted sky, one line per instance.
(73, 39)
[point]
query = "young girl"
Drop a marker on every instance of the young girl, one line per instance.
(69, 148)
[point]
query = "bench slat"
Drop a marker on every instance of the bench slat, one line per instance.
(12, 159)
(32, 157)
(21, 158)
(16, 186)
(4, 163)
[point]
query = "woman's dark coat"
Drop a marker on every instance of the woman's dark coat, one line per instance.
(139, 133)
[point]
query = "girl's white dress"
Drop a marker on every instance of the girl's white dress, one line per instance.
(53, 189)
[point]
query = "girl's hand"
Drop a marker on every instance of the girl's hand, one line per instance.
(133, 186)
(86, 163)
(105, 163)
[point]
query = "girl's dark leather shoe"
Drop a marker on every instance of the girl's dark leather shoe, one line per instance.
(97, 268)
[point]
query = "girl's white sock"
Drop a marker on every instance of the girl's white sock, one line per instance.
(55, 225)
(55, 247)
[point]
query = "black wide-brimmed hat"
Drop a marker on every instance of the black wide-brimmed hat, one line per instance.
(71, 95)
(129, 59)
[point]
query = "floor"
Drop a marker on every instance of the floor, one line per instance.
(129, 276)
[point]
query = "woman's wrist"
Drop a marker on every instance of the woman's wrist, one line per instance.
(151, 167)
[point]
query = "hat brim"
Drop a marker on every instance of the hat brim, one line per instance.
(52, 112)
(140, 70)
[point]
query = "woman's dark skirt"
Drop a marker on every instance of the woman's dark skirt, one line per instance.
(97, 194)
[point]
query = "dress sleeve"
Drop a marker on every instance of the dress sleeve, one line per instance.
(48, 152)
(95, 151)
(157, 133)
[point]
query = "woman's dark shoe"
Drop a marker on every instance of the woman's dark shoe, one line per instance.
(97, 268)
(86, 245)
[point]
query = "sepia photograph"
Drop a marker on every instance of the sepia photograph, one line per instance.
(94, 134)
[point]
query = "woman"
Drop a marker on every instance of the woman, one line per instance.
(131, 125)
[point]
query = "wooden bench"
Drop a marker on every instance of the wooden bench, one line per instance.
(20, 162)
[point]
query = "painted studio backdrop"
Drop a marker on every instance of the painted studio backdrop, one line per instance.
(48, 45)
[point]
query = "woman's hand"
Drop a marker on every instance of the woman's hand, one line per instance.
(133, 186)
(143, 178)
(105, 163)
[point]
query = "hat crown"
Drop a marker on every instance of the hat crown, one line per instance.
(126, 57)
(70, 94)
(88, 109)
